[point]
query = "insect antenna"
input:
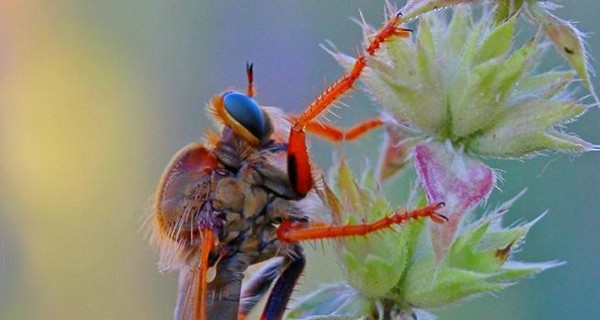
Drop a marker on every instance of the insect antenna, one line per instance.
(250, 77)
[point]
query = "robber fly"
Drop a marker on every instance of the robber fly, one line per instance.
(236, 200)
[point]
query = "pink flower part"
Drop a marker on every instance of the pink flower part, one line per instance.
(456, 179)
(395, 151)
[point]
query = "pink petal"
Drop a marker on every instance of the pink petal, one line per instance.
(455, 178)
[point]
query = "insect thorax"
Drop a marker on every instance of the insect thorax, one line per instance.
(250, 195)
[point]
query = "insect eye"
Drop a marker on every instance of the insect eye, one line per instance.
(246, 112)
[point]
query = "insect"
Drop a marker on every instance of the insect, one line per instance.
(237, 200)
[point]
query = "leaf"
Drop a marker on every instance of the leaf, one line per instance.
(567, 39)
(458, 30)
(333, 301)
(415, 8)
(541, 86)
(498, 41)
(528, 128)
(429, 286)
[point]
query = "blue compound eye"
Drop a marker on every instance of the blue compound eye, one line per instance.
(246, 112)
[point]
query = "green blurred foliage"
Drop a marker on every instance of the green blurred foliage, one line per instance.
(96, 96)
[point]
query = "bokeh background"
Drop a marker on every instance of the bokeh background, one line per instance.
(96, 96)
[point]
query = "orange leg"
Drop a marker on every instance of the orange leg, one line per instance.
(335, 134)
(298, 161)
(293, 231)
(206, 247)
(337, 89)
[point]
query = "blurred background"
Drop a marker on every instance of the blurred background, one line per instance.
(96, 96)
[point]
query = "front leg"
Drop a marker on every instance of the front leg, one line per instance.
(290, 231)
(299, 168)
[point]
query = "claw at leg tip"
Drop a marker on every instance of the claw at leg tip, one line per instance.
(439, 218)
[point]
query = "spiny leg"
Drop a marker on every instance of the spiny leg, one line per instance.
(299, 168)
(194, 283)
(256, 287)
(283, 287)
(342, 85)
(289, 231)
(335, 134)
(206, 247)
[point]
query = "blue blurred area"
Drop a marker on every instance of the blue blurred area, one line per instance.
(96, 96)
